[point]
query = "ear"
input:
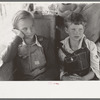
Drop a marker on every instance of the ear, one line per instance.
(66, 29)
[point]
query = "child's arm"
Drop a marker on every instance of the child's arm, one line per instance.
(61, 55)
(10, 52)
(94, 59)
(61, 58)
(94, 63)
(89, 76)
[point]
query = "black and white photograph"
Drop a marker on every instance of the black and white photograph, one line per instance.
(49, 49)
(49, 41)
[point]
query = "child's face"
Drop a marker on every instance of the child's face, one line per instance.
(75, 31)
(27, 27)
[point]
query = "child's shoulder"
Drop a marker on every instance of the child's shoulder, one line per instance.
(98, 46)
(41, 38)
(89, 41)
(65, 40)
(90, 44)
(44, 41)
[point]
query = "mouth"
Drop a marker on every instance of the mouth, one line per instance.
(29, 36)
(76, 36)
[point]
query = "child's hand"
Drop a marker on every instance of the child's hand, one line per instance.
(18, 33)
(76, 77)
(72, 77)
(38, 71)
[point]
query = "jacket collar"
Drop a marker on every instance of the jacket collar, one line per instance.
(35, 43)
(67, 46)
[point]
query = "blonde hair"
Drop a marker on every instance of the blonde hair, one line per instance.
(22, 14)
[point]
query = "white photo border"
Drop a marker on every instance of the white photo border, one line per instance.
(49, 89)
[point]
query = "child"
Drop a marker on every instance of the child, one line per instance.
(31, 54)
(78, 55)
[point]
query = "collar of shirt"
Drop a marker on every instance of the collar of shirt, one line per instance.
(35, 43)
(98, 46)
(66, 45)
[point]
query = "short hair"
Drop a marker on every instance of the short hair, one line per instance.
(76, 18)
(22, 14)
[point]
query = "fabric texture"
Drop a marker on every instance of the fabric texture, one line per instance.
(44, 54)
(94, 60)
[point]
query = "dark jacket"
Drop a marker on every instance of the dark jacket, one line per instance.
(52, 70)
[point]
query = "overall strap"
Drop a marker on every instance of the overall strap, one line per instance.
(67, 53)
(64, 51)
(83, 43)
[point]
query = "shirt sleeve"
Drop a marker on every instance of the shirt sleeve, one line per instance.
(61, 58)
(94, 59)
(10, 51)
(61, 55)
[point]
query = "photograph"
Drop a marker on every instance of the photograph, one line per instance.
(49, 41)
(49, 49)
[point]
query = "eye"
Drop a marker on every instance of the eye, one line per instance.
(80, 29)
(32, 26)
(73, 29)
(24, 29)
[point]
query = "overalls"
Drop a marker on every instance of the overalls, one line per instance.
(78, 62)
(31, 61)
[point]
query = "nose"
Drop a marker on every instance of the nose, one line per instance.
(76, 32)
(29, 31)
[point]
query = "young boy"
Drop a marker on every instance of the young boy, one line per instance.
(78, 55)
(31, 54)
